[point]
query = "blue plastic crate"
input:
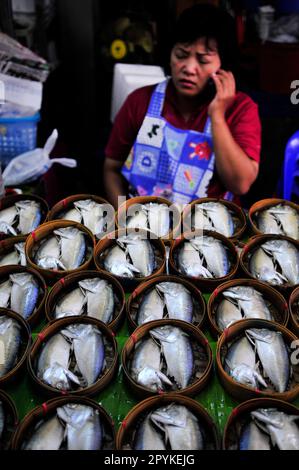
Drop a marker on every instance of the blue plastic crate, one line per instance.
(17, 135)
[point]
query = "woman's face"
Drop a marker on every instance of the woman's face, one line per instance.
(192, 65)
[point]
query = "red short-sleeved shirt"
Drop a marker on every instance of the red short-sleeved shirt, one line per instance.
(242, 118)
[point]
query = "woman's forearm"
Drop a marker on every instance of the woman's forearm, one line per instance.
(114, 187)
(236, 170)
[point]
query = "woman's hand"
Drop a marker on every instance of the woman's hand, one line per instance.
(225, 93)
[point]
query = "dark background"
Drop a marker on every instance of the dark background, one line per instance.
(75, 37)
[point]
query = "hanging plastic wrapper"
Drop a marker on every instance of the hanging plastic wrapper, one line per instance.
(29, 166)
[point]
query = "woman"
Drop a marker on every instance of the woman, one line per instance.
(193, 135)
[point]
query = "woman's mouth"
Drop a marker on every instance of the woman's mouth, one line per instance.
(187, 83)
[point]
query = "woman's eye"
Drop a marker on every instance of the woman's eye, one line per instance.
(181, 54)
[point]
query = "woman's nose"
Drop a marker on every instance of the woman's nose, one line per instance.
(190, 66)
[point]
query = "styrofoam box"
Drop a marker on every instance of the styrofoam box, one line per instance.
(129, 77)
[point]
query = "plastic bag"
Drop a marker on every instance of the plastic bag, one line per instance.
(31, 165)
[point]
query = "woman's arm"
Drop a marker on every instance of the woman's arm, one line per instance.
(114, 182)
(235, 168)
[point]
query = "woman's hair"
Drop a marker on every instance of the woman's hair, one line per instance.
(209, 22)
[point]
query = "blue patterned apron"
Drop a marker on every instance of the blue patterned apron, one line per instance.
(170, 162)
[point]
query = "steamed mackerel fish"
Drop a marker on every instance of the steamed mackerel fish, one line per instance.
(273, 355)
(191, 262)
(138, 220)
(176, 344)
(8, 217)
(148, 437)
(146, 363)
(72, 247)
(253, 438)
(19, 293)
(70, 304)
(214, 216)
(151, 307)
(158, 218)
(178, 300)
(141, 253)
(262, 267)
(26, 214)
(99, 298)
(116, 263)
(280, 219)
(15, 256)
(10, 341)
(47, 435)
(24, 294)
(93, 297)
(29, 213)
(89, 350)
(287, 256)
(276, 262)
(214, 253)
(241, 302)
(180, 427)
(53, 362)
(170, 427)
(72, 427)
(227, 313)
(48, 254)
(88, 212)
(174, 296)
(240, 364)
(92, 214)
(83, 429)
(282, 428)
(152, 216)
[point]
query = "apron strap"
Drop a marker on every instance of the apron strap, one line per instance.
(157, 100)
(208, 127)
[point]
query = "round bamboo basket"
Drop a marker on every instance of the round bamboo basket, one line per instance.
(238, 216)
(206, 284)
(11, 420)
(66, 284)
(7, 245)
(13, 374)
(38, 311)
(108, 242)
(9, 201)
(135, 299)
(127, 208)
(45, 231)
(278, 305)
(242, 392)
(129, 426)
(262, 205)
(241, 414)
(48, 409)
(199, 344)
(55, 327)
(68, 203)
(253, 244)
